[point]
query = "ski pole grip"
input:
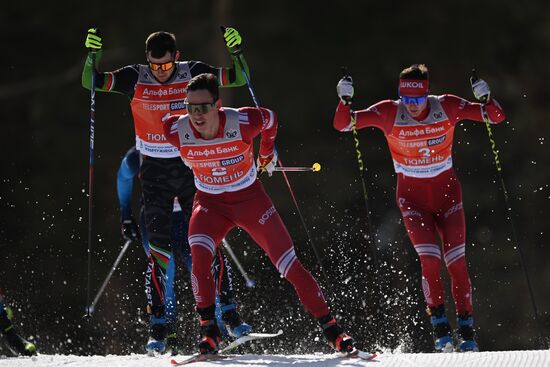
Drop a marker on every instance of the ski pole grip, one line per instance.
(344, 71)
(474, 77)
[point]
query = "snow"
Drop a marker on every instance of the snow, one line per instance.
(533, 358)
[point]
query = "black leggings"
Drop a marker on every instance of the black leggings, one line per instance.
(162, 179)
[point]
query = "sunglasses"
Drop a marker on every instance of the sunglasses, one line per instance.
(164, 66)
(416, 100)
(200, 107)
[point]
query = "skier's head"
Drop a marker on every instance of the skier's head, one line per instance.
(161, 54)
(414, 88)
(203, 103)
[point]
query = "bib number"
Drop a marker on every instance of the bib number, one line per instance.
(425, 152)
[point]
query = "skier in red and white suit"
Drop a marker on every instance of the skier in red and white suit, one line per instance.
(419, 130)
(217, 144)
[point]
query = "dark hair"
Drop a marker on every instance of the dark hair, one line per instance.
(205, 81)
(415, 71)
(159, 43)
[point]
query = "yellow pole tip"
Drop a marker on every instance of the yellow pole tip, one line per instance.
(316, 167)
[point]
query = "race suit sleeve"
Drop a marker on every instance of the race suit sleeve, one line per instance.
(380, 115)
(121, 81)
(458, 109)
(263, 122)
(170, 127)
(125, 181)
(227, 76)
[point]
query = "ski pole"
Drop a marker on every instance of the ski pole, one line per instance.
(473, 79)
(246, 78)
(362, 168)
(370, 233)
(315, 251)
(257, 104)
(91, 308)
(250, 283)
(315, 168)
(91, 182)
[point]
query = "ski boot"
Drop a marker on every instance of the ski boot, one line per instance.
(157, 339)
(172, 340)
(335, 336)
(443, 340)
(157, 331)
(233, 323)
(211, 337)
(16, 344)
(466, 334)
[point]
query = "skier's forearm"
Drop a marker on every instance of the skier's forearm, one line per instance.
(380, 115)
(234, 76)
(494, 112)
(124, 190)
(172, 135)
(269, 131)
(125, 184)
(462, 109)
(342, 117)
(100, 78)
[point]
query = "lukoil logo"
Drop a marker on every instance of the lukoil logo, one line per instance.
(413, 84)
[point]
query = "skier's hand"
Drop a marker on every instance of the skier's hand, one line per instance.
(345, 89)
(481, 90)
(267, 163)
(93, 40)
(130, 230)
(232, 38)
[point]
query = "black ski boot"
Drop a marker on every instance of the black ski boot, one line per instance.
(233, 322)
(335, 335)
(157, 339)
(466, 334)
(172, 340)
(157, 331)
(443, 340)
(211, 335)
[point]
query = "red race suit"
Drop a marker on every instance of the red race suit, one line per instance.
(230, 195)
(428, 191)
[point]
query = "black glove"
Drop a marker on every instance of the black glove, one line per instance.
(130, 230)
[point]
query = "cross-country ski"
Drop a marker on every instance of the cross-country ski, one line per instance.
(220, 355)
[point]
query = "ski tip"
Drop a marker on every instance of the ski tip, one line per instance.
(362, 355)
(366, 355)
(372, 356)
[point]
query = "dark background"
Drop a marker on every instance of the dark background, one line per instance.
(295, 51)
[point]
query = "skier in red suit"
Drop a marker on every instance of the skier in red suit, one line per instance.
(419, 129)
(217, 144)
